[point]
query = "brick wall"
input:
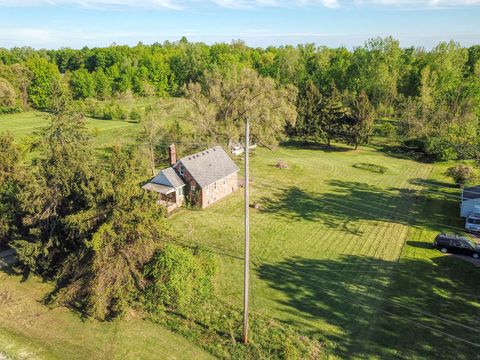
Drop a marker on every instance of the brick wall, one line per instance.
(216, 191)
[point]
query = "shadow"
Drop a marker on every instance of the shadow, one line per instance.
(420, 244)
(348, 202)
(381, 309)
(399, 151)
(295, 144)
(433, 184)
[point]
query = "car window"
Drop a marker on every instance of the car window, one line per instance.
(467, 245)
(457, 243)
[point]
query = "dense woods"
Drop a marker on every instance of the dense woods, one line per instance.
(434, 95)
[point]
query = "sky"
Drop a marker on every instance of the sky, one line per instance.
(78, 23)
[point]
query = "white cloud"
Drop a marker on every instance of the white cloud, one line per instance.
(100, 4)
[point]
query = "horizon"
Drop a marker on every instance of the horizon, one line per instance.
(75, 24)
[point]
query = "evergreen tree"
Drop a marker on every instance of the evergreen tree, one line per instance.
(361, 119)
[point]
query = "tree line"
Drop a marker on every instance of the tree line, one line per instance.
(434, 95)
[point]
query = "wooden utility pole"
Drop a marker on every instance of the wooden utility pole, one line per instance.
(247, 233)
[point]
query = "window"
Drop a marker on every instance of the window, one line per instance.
(180, 169)
(215, 185)
(180, 191)
(224, 181)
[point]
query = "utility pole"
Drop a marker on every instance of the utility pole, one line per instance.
(247, 232)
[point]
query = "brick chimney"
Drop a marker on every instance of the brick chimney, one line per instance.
(172, 154)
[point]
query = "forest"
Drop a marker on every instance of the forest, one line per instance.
(337, 93)
(83, 222)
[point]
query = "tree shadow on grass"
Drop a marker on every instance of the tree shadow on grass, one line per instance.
(383, 309)
(348, 202)
(311, 145)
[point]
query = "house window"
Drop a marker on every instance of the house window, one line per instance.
(215, 185)
(180, 169)
(180, 191)
(224, 181)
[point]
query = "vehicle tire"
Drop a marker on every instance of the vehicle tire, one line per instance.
(475, 255)
(444, 250)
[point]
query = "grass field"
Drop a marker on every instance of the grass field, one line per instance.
(30, 330)
(346, 253)
(338, 251)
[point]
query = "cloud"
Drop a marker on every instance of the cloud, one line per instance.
(99, 4)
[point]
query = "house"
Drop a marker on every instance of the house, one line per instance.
(201, 179)
(239, 149)
(470, 200)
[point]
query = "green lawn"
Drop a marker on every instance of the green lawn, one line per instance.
(30, 330)
(338, 251)
(346, 253)
(106, 132)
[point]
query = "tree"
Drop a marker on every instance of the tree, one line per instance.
(11, 176)
(228, 97)
(308, 121)
(461, 174)
(150, 135)
(361, 120)
(62, 183)
(8, 95)
(82, 84)
(45, 75)
(124, 229)
(332, 117)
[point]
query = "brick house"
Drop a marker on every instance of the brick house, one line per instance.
(202, 178)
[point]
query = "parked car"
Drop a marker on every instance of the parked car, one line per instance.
(473, 222)
(456, 244)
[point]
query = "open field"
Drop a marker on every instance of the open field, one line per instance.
(30, 330)
(338, 251)
(105, 133)
(346, 253)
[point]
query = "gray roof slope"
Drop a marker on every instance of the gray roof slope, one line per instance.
(471, 193)
(209, 165)
(168, 177)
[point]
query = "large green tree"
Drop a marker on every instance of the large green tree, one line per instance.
(45, 76)
(226, 98)
(361, 117)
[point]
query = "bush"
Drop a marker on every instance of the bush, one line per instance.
(386, 130)
(461, 174)
(179, 279)
(10, 109)
(135, 115)
(371, 167)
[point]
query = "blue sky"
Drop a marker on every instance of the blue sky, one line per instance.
(78, 23)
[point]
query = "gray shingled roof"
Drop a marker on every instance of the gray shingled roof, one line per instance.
(163, 189)
(168, 177)
(471, 193)
(209, 165)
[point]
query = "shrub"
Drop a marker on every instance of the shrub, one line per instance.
(461, 174)
(179, 279)
(386, 130)
(135, 115)
(371, 167)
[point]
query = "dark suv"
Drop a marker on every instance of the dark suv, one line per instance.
(456, 244)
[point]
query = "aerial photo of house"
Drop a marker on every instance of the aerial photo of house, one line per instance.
(203, 178)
